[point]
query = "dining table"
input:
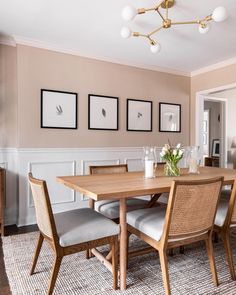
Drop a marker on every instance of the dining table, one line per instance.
(133, 184)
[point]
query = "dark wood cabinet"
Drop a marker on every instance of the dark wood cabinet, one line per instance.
(212, 161)
(2, 198)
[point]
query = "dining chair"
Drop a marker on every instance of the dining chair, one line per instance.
(70, 232)
(225, 224)
(188, 218)
(110, 208)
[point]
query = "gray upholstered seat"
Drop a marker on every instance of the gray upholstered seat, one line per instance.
(150, 221)
(78, 226)
(164, 198)
(225, 193)
(110, 208)
(221, 213)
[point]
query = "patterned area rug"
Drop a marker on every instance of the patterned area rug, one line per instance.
(189, 272)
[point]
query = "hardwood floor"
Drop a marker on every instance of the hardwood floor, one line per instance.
(10, 230)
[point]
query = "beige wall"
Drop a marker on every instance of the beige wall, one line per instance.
(209, 80)
(8, 96)
(39, 68)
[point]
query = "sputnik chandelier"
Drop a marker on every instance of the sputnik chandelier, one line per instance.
(129, 13)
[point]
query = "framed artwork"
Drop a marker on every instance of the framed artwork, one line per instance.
(139, 115)
(215, 148)
(169, 117)
(58, 109)
(103, 112)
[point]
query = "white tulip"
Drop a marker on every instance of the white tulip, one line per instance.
(178, 146)
(162, 154)
(181, 153)
(167, 147)
(174, 152)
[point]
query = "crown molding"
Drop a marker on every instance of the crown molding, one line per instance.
(5, 40)
(216, 66)
(48, 46)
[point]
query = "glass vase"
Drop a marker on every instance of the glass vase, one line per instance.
(171, 169)
(149, 162)
(193, 159)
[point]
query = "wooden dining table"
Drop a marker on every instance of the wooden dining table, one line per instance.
(132, 184)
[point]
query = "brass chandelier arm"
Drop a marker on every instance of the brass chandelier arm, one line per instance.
(157, 10)
(155, 31)
(137, 34)
(204, 20)
(186, 23)
(143, 10)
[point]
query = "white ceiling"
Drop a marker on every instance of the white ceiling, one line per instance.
(92, 28)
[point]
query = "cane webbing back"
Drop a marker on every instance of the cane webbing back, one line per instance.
(42, 205)
(109, 169)
(232, 206)
(194, 207)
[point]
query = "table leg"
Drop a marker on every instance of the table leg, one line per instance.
(153, 200)
(123, 244)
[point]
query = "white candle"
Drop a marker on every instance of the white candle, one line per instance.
(149, 173)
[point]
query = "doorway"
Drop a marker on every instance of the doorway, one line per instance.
(218, 131)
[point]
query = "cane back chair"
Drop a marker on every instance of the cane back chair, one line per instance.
(189, 217)
(70, 232)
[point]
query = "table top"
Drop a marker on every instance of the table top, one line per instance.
(132, 184)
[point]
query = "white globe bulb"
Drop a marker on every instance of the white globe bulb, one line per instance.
(125, 32)
(129, 13)
(155, 48)
(204, 30)
(219, 14)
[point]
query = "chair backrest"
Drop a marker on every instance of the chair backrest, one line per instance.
(108, 169)
(43, 209)
(191, 208)
(231, 213)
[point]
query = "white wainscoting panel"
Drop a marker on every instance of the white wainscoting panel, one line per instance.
(134, 164)
(49, 163)
(50, 170)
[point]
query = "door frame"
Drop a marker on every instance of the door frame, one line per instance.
(201, 96)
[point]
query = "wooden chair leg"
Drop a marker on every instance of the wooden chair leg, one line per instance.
(215, 237)
(229, 256)
(56, 267)
(211, 257)
(37, 251)
(89, 254)
(165, 273)
(114, 248)
(181, 249)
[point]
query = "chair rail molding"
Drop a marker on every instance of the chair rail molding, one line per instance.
(47, 163)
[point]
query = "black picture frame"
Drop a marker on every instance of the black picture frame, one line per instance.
(169, 117)
(215, 148)
(138, 115)
(58, 109)
(103, 112)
